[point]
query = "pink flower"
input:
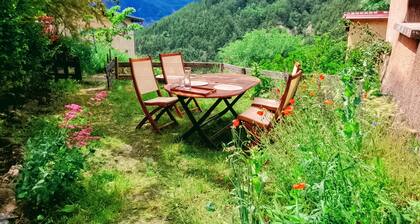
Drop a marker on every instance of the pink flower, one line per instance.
(81, 138)
(99, 97)
(70, 115)
(73, 107)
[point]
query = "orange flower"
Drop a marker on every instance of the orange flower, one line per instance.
(328, 102)
(292, 101)
(288, 111)
(260, 112)
(236, 123)
(322, 77)
(312, 93)
(365, 95)
(299, 186)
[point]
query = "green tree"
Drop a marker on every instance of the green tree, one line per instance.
(118, 27)
(201, 28)
(373, 5)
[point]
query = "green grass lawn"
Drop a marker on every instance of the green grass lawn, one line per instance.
(150, 178)
(138, 176)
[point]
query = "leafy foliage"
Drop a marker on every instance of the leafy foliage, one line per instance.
(51, 169)
(24, 51)
(201, 28)
(93, 57)
(266, 84)
(106, 35)
(275, 49)
(375, 5)
(72, 14)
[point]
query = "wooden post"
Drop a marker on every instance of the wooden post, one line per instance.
(77, 69)
(116, 67)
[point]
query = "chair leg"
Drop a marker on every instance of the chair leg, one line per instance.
(154, 125)
(171, 116)
(178, 111)
(196, 104)
(162, 112)
(142, 122)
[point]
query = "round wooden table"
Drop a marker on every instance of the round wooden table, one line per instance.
(228, 88)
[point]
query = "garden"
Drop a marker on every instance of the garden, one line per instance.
(71, 153)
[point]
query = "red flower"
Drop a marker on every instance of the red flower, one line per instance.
(288, 111)
(322, 77)
(278, 91)
(312, 93)
(236, 123)
(299, 186)
(260, 112)
(292, 101)
(328, 102)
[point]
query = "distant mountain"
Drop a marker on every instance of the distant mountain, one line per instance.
(151, 10)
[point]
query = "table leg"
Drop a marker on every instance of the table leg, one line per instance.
(197, 124)
(229, 107)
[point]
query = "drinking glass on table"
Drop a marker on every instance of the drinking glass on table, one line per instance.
(187, 77)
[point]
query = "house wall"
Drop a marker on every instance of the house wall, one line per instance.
(120, 43)
(402, 78)
(397, 14)
(356, 32)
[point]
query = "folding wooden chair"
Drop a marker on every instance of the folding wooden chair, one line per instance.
(271, 104)
(173, 69)
(262, 116)
(145, 82)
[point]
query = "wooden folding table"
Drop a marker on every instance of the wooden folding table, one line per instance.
(227, 88)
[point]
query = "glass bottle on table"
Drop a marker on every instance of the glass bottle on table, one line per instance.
(187, 77)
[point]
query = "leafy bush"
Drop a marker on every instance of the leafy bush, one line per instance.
(24, 52)
(99, 60)
(277, 50)
(266, 84)
(364, 62)
(51, 169)
(93, 56)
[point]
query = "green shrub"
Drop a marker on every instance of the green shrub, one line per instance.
(266, 84)
(50, 169)
(278, 50)
(99, 60)
(364, 62)
(25, 52)
(93, 56)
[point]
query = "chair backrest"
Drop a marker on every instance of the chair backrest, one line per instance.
(143, 77)
(172, 66)
(291, 88)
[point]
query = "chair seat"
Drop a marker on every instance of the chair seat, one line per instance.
(268, 104)
(252, 116)
(161, 101)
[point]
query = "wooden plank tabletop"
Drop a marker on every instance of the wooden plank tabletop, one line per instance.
(244, 81)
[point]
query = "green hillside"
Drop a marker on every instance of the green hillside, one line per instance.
(203, 27)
